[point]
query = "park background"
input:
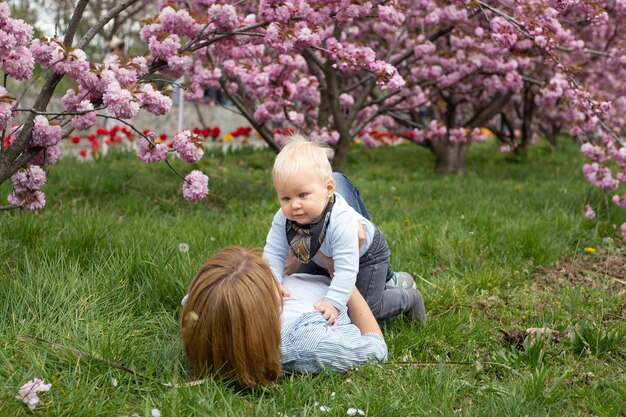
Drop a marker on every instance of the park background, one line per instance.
(91, 284)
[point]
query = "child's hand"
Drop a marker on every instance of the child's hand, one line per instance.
(284, 292)
(328, 310)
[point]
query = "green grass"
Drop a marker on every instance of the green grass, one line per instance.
(99, 269)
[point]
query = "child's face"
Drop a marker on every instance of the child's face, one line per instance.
(303, 198)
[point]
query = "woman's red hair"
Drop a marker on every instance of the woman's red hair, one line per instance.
(230, 324)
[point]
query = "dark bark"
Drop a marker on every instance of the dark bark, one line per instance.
(450, 156)
(527, 117)
(551, 132)
(483, 115)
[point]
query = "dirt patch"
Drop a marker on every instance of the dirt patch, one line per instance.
(603, 268)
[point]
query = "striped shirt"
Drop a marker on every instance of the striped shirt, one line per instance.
(310, 344)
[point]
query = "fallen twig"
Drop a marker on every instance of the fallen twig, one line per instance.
(606, 274)
(90, 356)
(453, 363)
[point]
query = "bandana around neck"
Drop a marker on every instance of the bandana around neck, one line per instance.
(304, 241)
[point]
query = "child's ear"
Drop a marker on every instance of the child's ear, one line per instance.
(330, 187)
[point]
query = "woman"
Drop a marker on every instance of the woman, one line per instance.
(234, 323)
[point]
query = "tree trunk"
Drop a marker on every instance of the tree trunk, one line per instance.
(527, 117)
(450, 156)
(341, 153)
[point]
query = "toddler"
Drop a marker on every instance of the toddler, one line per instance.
(320, 229)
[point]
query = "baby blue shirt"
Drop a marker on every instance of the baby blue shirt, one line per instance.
(341, 244)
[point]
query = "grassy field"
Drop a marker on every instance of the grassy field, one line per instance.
(495, 253)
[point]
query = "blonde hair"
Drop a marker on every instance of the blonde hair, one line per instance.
(299, 155)
(230, 324)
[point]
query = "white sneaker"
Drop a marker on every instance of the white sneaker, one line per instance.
(402, 280)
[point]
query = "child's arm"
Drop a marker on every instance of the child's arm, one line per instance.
(276, 248)
(324, 260)
(342, 244)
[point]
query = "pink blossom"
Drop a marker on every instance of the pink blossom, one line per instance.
(153, 100)
(619, 201)
(346, 100)
(179, 22)
(28, 392)
(477, 135)
(21, 31)
(588, 212)
(503, 31)
(45, 134)
(31, 179)
(178, 65)
(505, 148)
(324, 135)
(140, 65)
(560, 5)
(74, 64)
(164, 48)
(6, 113)
(594, 152)
(305, 35)
(87, 120)
(541, 41)
(424, 48)
(274, 11)
(188, 147)
(120, 102)
(224, 17)
(195, 186)
(28, 200)
(620, 156)
(71, 100)
(623, 229)
(150, 152)
(19, 63)
(45, 52)
(47, 156)
(390, 15)
(600, 176)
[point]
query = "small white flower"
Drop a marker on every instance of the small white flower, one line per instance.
(332, 394)
(212, 239)
(324, 409)
(354, 411)
(114, 382)
(28, 393)
(183, 247)
(155, 412)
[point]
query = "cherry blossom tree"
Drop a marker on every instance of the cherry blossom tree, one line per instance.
(434, 71)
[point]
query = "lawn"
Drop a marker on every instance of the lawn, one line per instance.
(496, 252)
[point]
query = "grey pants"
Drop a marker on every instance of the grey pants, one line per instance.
(386, 303)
